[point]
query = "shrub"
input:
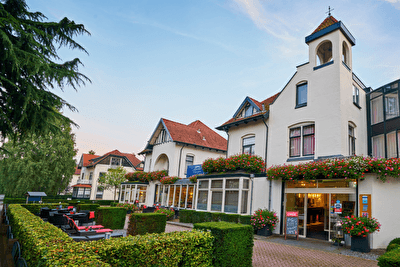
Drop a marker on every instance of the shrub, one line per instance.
(233, 218)
(390, 259)
(233, 243)
(185, 216)
(46, 245)
(35, 208)
(245, 219)
(112, 217)
(143, 223)
(217, 216)
(91, 207)
(192, 248)
(169, 212)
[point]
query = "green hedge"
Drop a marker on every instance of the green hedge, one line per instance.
(14, 200)
(233, 243)
(390, 258)
(35, 208)
(192, 216)
(111, 217)
(143, 223)
(169, 249)
(46, 245)
(43, 243)
(90, 207)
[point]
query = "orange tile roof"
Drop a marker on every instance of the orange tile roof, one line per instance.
(266, 103)
(87, 158)
(77, 171)
(196, 133)
(82, 185)
(326, 23)
(131, 157)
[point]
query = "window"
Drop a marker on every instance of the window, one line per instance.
(392, 105)
(248, 111)
(99, 193)
(352, 141)
(356, 95)
(376, 110)
(301, 95)
(249, 145)
(115, 161)
(91, 176)
(307, 139)
(391, 146)
(226, 195)
(345, 54)
(378, 146)
(324, 53)
(189, 162)
(163, 137)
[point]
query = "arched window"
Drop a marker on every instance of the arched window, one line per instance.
(324, 53)
(248, 144)
(345, 53)
(162, 163)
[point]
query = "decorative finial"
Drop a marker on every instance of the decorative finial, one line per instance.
(329, 11)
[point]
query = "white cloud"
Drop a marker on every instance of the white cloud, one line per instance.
(395, 3)
(268, 22)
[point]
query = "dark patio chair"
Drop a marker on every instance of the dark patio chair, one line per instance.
(86, 232)
(86, 227)
(59, 220)
(45, 213)
(21, 262)
(16, 252)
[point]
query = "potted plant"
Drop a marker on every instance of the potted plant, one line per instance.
(359, 228)
(264, 221)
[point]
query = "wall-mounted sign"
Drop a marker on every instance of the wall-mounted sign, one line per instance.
(194, 170)
(337, 207)
(365, 206)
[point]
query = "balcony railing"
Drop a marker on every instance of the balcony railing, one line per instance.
(83, 181)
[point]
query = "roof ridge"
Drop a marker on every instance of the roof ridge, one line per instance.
(330, 20)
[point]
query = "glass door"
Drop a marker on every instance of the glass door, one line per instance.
(295, 202)
(317, 210)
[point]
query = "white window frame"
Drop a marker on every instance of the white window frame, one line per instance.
(251, 146)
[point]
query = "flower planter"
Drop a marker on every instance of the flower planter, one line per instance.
(360, 244)
(266, 231)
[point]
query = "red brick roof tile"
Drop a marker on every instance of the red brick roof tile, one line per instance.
(326, 23)
(87, 159)
(196, 133)
(131, 157)
(77, 171)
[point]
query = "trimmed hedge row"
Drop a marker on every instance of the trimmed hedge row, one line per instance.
(74, 202)
(233, 243)
(91, 207)
(111, 217)
(143, 223)
(392, 255)
(192, 216)
(35, 208)
(47, 245)
(170, 249)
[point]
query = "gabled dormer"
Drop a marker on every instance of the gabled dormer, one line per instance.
(249, 110)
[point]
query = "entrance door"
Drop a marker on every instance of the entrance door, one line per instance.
(317, 215)
(295, 202)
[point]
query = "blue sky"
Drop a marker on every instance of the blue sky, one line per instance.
(198, 60)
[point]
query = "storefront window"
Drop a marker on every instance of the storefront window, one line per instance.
(231, 201)
(216, 201)
(202, 200)
(183, 196)
(301, 184)
(190, 198)
(177, 194)
(232, 183)
(171, 196)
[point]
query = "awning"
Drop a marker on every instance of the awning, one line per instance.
(36, 194)
(83, 185)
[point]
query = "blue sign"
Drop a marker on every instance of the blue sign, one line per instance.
(194, 170)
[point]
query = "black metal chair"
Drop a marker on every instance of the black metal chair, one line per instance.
(16, 252)
(21, 262)
(45, 213)
(9, 234)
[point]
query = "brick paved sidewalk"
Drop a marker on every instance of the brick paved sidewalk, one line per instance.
(272, 254)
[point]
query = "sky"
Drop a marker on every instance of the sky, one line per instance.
(198, 60)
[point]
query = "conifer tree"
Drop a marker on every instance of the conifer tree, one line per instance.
(30, 67)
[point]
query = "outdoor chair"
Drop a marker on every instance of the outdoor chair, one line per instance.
(86, 227)
(45, 213)
(16, 252)
(21, 262)
(88, 218)
(59, 220)
(85, 232)
(9, 234)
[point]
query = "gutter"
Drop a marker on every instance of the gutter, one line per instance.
(266, 155)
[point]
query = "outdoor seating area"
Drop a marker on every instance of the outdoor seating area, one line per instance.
(78, 225)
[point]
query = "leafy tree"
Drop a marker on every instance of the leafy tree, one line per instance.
(30, 66)
(39, 163)
(91, 152)
(113, 179)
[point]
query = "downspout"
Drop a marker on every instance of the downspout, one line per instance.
(357, 197)
(180, 158)
(266, 155)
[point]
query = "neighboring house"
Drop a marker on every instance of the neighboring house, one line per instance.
(94, 166)
(75, 178)
(324, 111)
(174, 147)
